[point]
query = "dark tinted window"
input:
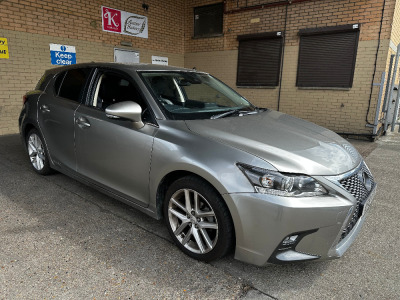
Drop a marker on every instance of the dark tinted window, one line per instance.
(59, 80)
(73, 84)
(113, 89)
(208, 20)
(259, 59)
(41, 85)
(327, 56)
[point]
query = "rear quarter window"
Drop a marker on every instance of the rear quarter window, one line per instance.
(72, 84)
(43, 82)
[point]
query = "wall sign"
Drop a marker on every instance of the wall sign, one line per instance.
(159, 60)
(62, 54)
(126, 56)
(4, 48)
(122, 22)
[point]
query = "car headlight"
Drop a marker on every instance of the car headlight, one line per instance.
(287, 185)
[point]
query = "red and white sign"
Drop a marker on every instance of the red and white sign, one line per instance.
(122, 22)
(111, 19)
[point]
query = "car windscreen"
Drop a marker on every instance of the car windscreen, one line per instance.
(193, 95)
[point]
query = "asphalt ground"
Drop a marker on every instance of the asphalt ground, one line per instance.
(60, 239)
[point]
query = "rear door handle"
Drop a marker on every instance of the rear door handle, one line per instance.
(82, 122)
(44, 108)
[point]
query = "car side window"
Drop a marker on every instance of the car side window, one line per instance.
(59, 80)
(72, 84)
(112, 88)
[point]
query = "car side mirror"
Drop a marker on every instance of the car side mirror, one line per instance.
(128, 110)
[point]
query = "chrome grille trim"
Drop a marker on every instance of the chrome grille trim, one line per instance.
(354, 183)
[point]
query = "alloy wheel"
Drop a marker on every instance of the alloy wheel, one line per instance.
(193, 221)
(36, 152)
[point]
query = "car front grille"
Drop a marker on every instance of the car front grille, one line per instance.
(359, 184)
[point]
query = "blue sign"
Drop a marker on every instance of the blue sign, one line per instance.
(62, 54)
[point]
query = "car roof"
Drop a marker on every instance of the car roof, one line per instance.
(121, 66)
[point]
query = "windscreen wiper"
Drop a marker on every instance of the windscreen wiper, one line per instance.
(227, 113)
(240, 113)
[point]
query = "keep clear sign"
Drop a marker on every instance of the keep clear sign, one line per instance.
(62, 54)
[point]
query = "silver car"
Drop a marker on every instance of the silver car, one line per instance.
(180, 145)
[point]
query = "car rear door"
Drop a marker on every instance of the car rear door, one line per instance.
(56, 110)
(112, 152)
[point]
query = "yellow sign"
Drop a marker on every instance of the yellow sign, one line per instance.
(4, 48)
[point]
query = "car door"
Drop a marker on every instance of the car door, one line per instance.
(110, 151)
(56, 109)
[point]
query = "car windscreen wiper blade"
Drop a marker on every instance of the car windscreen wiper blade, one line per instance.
(231, 112)
(227, 113)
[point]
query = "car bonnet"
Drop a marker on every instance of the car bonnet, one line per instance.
(288, 143)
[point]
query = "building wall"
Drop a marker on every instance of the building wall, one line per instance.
(395, 24)
(30, 26)
(342, 110)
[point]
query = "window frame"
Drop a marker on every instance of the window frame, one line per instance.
(56, 77)
(92, 86)
(44, 82)
(261, 36)
(325, 31)
(219, 34)
(84, 89)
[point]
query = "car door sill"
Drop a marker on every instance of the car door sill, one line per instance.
(113, 194)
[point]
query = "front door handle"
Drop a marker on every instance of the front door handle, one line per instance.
(44, 108)
(82, 122)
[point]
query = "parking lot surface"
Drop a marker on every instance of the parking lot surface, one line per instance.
(61, 239)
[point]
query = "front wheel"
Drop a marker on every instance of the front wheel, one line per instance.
(37, 152)
(197, 219)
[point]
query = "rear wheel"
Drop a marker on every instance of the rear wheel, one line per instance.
(197, 219)
(37, 152)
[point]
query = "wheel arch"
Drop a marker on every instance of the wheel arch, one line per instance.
(172, 176)
(24, 132)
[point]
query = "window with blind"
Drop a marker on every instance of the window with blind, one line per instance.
(259, 59)
(208, 20)
(327, 56)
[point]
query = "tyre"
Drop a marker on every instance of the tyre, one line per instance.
(37, 152)
(198, 219)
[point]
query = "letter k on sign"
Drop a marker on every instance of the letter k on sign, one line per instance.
(111, 19)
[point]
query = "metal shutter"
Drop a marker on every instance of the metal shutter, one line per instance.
(259, 61)
(327, 59)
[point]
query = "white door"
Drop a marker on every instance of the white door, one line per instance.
(126, 56)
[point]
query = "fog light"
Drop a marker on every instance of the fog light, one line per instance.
(286, 250)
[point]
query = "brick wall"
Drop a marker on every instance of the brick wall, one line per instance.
(82, 20)
(395, 33)
(339, 110)
(30, 26)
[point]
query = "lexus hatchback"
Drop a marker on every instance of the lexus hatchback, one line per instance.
(180, 145)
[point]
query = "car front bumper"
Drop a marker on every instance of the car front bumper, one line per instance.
(264, 224)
